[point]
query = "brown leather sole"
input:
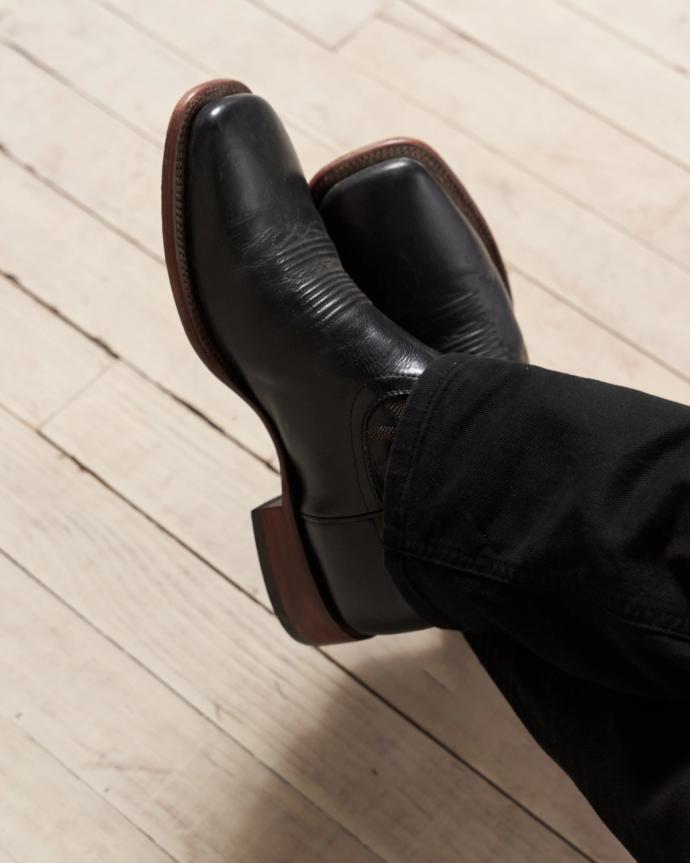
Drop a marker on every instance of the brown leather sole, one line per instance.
(395, 148)
(296, 588)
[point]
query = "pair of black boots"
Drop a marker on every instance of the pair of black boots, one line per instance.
(322, 306)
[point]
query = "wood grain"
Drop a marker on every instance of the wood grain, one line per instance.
(661, 28)
(115, 293)
(578, 58)
(328, 23)
(138, 746)
(47, 815)
(45, 363)
(72, 38)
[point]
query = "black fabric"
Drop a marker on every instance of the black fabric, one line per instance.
(548, 517)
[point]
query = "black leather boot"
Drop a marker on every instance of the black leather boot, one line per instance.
(412, 238)
(267, 306)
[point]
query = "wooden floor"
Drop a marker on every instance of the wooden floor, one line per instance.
(151, 707)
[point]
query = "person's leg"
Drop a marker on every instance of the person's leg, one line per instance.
(551, 508)
(630, 756)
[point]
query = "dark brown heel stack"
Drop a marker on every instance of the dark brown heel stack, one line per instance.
(291, 584)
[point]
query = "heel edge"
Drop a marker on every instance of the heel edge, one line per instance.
(292, 584)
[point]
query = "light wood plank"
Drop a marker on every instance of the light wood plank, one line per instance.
(328, 23)
(580, 59)
(562, 339)
(148, 438)
(68, 132)
(113, 292)
(661, 27)
(174, 467)
(363, 764)
(44, 810)
(104, 165)
(93, 49)
(544, 234)
(171, 772)
(527, 122)
(44, 362)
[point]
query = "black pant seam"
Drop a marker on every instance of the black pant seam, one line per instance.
(493, 569)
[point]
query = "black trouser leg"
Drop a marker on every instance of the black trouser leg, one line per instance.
(630, 756)
(548, 517)
(551, 508)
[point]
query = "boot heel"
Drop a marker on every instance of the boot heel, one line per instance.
(296, 591)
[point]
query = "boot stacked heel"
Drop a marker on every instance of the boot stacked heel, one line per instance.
(304, 610)
(312, 606)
